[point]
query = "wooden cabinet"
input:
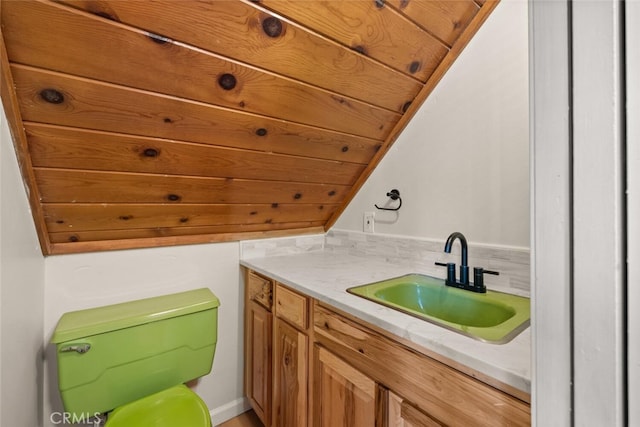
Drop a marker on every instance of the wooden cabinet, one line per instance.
(444, 394)
(331, 369)
(259, 290)
(344, 396)
(292, 307)
(401, 413)
(290, 388)
(258, 341)
(291, 358)
(259, 361)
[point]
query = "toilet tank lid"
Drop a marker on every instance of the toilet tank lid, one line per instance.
(93, 321)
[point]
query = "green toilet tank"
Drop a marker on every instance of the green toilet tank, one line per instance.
(116, 354)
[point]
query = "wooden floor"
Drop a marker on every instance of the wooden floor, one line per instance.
(248, 419)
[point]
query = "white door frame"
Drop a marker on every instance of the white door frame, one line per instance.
(578, 225)
(632, 24)
(599, 269)
(551, 213)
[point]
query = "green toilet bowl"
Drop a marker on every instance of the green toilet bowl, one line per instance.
(176, 406)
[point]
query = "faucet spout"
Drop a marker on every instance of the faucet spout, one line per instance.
(464, 267)
(463, 245)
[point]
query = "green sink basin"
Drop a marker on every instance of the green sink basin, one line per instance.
(493, 317)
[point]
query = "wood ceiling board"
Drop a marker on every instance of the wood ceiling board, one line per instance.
(151, 238)
(85, 186)
(88, 104)
(235, 30)
(371, 28)
(90, 217)
(172, 68)
(445, 19)
(63, 148)
(187, 232)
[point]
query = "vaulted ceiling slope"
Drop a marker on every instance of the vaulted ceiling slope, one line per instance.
(162, 122)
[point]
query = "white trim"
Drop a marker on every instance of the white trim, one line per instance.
(550, 198)
(632, 15)
(229, 410)
(598, 194)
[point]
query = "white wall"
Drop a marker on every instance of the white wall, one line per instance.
(462, 164)
(81, 281)
(21, 297)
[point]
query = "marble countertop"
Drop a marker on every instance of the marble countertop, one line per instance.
(325, 276)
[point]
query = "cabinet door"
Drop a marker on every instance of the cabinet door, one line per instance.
(290, 376)
(343, 395)
(403, 414)
(258, 360)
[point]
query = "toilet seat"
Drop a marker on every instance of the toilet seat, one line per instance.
(176, 406)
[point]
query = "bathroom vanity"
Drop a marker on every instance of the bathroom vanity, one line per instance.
(317, 356)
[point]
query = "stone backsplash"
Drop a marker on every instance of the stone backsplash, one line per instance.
(418, 254)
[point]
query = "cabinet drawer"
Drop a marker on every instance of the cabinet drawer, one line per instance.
(260, 290)
(292, 307)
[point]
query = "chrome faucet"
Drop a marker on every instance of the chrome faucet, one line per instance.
(478, 272)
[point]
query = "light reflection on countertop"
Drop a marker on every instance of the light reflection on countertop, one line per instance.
(325, 276)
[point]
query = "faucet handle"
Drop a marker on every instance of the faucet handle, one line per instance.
(478, 276)
(451, 271)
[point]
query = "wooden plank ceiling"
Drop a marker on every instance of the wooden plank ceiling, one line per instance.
(148, 123)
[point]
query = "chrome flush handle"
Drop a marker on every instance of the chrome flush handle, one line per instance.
(79, 348)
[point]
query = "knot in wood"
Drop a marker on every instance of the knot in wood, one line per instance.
(360, 49)
(150, 152)
(52, 96)
(227, 81)
(272, 26)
